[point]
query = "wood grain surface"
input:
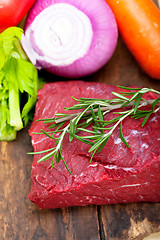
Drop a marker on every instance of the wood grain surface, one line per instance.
(22, 220)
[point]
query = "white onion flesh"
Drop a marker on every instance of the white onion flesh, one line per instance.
(64, 40)
(66, 36)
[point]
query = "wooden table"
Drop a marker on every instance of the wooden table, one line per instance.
(22, 220)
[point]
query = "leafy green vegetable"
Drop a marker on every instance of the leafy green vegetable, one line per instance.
(18, 84)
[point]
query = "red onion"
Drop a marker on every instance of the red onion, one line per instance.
(70, 38)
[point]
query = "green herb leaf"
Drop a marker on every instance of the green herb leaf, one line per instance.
(72, 129)
(122, 137)
(99, 142)
(146, 118)
(103, 144)
(120, 96)
(155, 103)
(81, 139)
(129, 88)
(46, 157)
(137, 102)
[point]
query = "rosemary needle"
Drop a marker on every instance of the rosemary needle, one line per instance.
(92, 112)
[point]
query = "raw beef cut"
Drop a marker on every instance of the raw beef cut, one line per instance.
(116, 175)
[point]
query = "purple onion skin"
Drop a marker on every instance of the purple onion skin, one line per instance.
(103, 44)
(38, 7)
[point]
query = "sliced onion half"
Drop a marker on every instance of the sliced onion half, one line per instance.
(70, 38)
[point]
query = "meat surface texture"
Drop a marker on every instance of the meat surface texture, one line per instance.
(116, 175)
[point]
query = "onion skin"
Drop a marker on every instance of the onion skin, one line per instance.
(100, 50)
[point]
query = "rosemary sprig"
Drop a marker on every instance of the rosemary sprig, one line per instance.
(92, 112)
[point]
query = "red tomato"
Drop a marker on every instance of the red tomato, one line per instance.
(13, 11)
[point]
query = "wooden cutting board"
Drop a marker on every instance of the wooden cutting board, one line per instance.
(22, 220)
